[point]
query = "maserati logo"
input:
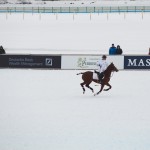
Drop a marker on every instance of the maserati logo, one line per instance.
(140, 62)
(137, 62)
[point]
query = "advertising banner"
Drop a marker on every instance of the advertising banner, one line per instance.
(136, 62)
(30, 61)
(88, 61)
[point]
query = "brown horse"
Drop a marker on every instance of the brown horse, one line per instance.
(88, 78)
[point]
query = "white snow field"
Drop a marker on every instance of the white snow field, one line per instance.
(74, 3)
(74, 33)
(45, 109)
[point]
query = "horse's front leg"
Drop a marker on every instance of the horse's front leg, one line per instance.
(109, 87)
(102, 86)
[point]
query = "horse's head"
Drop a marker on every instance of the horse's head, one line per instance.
(113, 67)
(110, 69)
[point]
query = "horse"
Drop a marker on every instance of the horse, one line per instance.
(88, 77)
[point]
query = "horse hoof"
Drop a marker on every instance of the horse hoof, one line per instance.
(106, 89)
(95, 94)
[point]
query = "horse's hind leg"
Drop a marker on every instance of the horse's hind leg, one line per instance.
(87, 85)
(82, 85)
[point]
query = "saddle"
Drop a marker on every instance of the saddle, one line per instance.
(100, 76)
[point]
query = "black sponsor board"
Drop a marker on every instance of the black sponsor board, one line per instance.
(136, 62)
(30, 61)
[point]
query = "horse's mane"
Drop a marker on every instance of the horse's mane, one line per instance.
(111, 64)
(108, 68)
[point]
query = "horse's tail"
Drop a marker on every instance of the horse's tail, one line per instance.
(79, 73)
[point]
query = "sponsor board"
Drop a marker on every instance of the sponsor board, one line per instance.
(88, 62)
(30, 61)
(136, 62)
(79, 62)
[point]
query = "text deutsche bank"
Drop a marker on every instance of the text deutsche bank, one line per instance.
(136, 62)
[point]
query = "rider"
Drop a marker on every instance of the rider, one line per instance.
(102, 66)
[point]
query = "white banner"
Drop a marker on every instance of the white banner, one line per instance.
(88, 61)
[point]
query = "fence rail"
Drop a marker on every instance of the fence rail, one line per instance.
(105, 9)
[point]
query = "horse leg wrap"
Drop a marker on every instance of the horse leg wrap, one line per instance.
(83, 88)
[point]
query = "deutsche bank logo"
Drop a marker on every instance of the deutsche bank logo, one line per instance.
(48, 61)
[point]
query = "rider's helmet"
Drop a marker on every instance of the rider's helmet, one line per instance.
(104, 57)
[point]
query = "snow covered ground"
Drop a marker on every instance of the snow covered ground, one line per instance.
(73, 3)
(45, 109)
(75, 33)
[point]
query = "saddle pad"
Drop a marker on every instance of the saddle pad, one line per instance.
(95, 76)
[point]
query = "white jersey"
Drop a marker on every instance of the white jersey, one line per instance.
(102, 65)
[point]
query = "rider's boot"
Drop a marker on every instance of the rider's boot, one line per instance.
(100, 79)
(100, 76)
